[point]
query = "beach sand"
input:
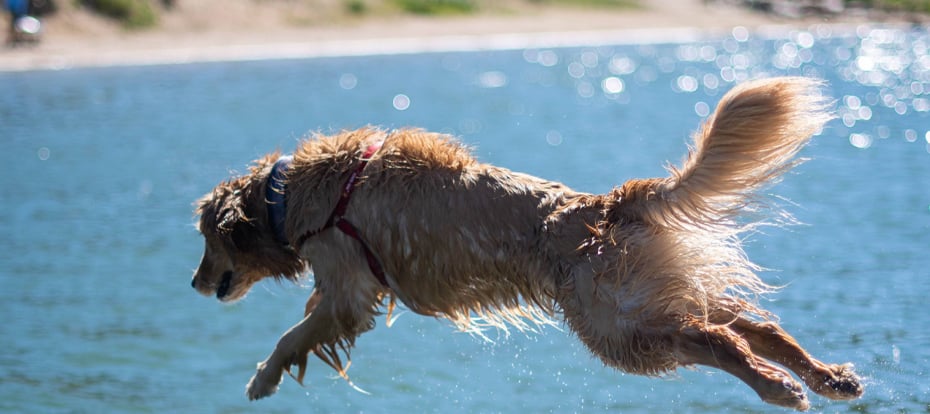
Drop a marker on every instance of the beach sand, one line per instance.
(227, 30)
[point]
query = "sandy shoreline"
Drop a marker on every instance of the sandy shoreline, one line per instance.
(75, 39)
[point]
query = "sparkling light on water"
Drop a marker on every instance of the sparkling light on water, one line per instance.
(553, 138)
(893, 64)
(702, 109)
(860, 140)
(348, 81)
(492, 79)
(612, 85)
(401, 102)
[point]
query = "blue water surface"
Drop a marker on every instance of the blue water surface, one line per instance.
(101, 167)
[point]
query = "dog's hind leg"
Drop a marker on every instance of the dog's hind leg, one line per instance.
(767, 339)
(720, 347)
(654, 346)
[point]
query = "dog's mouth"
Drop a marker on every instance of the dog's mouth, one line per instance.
(225, 283)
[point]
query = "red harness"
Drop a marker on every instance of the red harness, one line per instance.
(337, 218)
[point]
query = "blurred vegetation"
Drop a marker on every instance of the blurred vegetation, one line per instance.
(437, 7)
(895, 6)
(922, 6)
(592, 3)
(456, 7)
(140, 14)
(356, 7)
(133, 14)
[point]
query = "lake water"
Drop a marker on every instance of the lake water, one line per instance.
(101, 167)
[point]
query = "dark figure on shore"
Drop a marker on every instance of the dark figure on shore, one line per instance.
(25, 27)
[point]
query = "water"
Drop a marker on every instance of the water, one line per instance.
(102, 165)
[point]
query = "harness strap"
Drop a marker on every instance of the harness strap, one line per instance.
(373, 263)
(337, 217)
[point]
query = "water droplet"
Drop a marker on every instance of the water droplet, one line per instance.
(576, 70)
(883, 131)
(740, 33)
(900, 108)
(401, 102)
(864, 113)
(865, 63)
(585, 89)
(805, 40)
(852, 102)
(145, 189)
(492, 79)
(702, 109)
(849, 120)
(612, 85)
(686, 83)
(589, 59)
(348, 81)
(621, 65)
(711, 81)
(860, 140)
(44, 153)
(547, 58)
(708, 53)
(921, 104)
(553, 138)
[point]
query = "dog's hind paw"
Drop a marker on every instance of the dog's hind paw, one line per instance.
(264, 382)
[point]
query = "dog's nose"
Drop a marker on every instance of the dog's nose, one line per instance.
(194, 282)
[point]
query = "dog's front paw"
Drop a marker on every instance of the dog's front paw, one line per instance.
(265, 381)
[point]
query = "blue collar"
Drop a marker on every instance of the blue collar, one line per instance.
(276, 199)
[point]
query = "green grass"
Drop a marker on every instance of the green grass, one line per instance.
(922, 6)
(592, 3)
(437, 7)
(356, 7)
(133, 14)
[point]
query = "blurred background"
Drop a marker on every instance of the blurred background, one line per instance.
(65, 33)
(112, 125)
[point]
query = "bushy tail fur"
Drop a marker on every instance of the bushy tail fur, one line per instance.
(751, 139)
(683, 233)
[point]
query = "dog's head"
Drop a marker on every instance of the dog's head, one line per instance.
(240, 247)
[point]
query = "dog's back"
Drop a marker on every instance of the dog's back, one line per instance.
(459, 238)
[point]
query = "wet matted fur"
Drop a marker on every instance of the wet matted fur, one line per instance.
(650, 276)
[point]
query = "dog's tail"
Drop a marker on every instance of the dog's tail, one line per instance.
(751, 139)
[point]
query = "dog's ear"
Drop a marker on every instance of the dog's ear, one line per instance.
(235, 219)
(230, 212)
(222, 208)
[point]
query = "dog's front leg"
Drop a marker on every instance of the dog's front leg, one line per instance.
(293, 345)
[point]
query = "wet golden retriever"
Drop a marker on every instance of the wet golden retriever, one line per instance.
(650, 276)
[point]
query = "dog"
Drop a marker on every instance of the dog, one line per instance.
(650, 276)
